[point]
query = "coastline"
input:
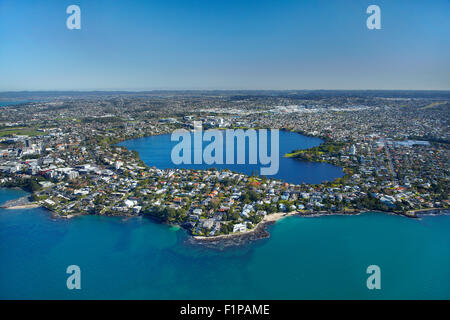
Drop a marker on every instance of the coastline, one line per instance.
(268, 219)
(430, 211)
(25, 206)
(224, 241)
(260, 230)
(233, 239)
(24, 202)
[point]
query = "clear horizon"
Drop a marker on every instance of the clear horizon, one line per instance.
(217, 89)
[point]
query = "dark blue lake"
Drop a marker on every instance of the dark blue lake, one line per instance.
(156, 151)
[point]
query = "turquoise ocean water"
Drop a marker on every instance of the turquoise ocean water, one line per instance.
(305, 258)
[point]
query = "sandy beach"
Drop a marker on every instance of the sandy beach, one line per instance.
(24, 206)
(25, 202)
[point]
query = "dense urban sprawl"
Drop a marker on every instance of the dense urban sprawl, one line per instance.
(393, 148)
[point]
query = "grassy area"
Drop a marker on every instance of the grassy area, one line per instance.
(297, 153)
(19, 131)
(435, 104)
(328, 147)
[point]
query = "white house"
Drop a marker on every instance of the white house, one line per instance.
(239, 227)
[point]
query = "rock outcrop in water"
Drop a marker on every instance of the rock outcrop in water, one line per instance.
(231, 240)
(20, 203)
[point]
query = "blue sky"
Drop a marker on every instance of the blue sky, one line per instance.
(173, 44)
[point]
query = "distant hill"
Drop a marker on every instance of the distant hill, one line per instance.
(234, 94)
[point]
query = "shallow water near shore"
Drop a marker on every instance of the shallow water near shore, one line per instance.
(304, 258)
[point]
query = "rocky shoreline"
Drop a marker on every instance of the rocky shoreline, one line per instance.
(221, 242)
(431, 211)
(232, 240)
